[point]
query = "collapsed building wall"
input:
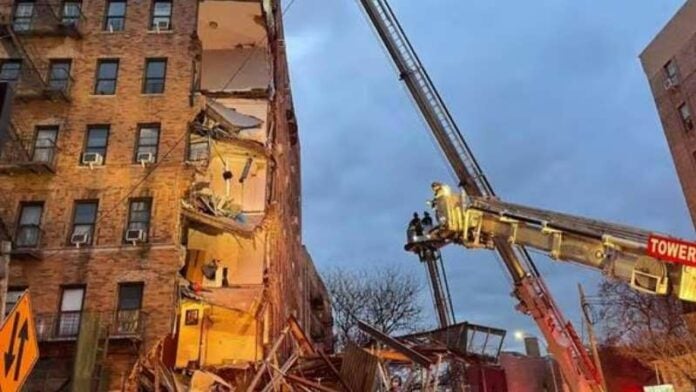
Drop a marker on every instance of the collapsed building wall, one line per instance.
(192, 238)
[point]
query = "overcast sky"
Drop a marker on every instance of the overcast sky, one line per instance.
(549, 94)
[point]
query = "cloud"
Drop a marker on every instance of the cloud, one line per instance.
(550, 96)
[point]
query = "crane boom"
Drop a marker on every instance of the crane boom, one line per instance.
(535, 299)
(620, 252)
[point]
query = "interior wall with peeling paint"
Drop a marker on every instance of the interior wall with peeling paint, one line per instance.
(242, 256)
(247, 187)
(228, 24)
(216, 336)
(238, 69)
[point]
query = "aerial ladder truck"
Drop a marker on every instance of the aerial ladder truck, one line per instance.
(477, 219)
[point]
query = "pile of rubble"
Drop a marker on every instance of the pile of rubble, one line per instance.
(430, 361)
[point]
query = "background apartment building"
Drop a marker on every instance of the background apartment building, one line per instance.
(150, 184)
(669, 62)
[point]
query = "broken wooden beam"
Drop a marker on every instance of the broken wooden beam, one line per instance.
(395, 344)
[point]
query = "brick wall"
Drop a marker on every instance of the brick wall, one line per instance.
(101, 267)
(676, 42)
(110, 261)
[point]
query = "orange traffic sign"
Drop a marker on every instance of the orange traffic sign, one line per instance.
(19, 350)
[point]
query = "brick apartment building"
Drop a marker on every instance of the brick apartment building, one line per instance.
(150, 185)
(669, 62)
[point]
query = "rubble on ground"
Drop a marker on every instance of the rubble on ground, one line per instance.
(428, 361)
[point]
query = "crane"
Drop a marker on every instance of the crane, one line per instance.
(649, 262)
(535, 299)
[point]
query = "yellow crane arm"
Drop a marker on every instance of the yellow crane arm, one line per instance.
(619, 251)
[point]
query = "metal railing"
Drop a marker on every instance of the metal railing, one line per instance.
(65, 326)
(47, 18)
(27, 150)
(32, 82)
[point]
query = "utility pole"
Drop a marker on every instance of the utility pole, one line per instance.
(584, 310)
(5, 248)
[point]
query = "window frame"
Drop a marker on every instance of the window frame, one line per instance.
(86, 146)
(61, 312)
(28, 20)
(190, 143)
(19, 226)
(671, 64)
(98, 79)
(52, 63)
(13, 289)
(153, 16)
(687, 122)
(148, 222)
(93, 224)
(35, 146)
(20, 64)
(128, 320)
(147, 79)
(67, 20)
(122, 285)
(108, 18)
(138, 137)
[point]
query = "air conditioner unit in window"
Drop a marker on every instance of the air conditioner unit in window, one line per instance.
(135, 236)
(92, 159)
(671, 82)
(162, 25)
(78, 239)
(145, 157)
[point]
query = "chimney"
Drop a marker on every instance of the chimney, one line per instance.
(531, 346)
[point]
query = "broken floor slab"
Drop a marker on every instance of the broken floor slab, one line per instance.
(218, 224)
(230, 117)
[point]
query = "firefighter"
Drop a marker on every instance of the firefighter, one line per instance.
(415, 228)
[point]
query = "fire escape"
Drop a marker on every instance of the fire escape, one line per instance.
(31, 77)
(25, 77)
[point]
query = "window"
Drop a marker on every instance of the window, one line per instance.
(130, 299)
(13, 294)
(10, 70)
(161, 15)
(70, 311)
(29, 225)
(685, 114)
(45, 144)
(107, 73)
(198, 148)
(72, 10)
(97, 140)
(148, 139)
(139, 215)
(23, 15)
(155, 71)
(115, 15)
(671, 70)
(85, 219)
(59, 75)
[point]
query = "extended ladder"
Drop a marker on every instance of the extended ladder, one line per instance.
(578, 368)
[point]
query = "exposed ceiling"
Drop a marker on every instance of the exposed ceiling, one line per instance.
(227, 24)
